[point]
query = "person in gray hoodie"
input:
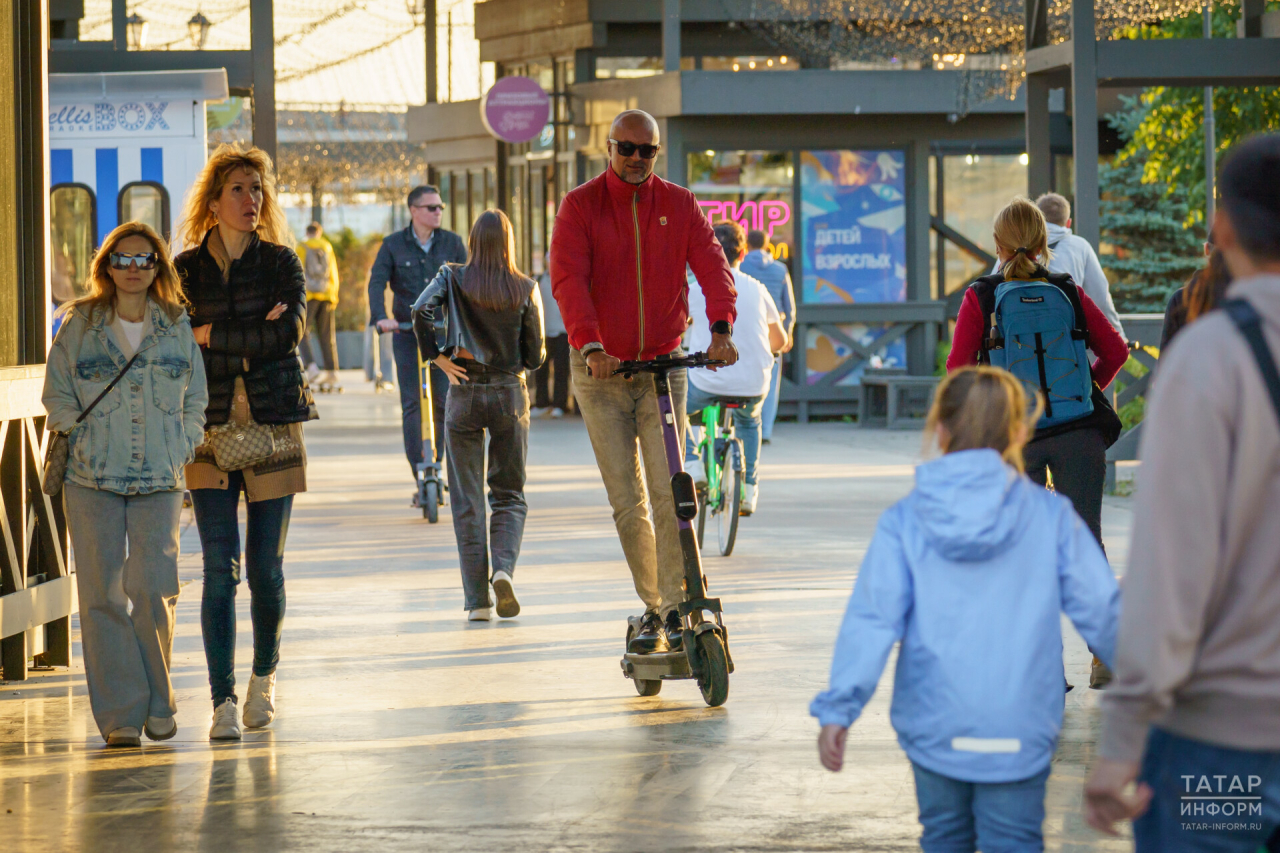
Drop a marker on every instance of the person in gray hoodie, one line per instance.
(1193, 715)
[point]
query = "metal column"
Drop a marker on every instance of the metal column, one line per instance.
(262, 42)
(433, 52)
(1084, 120)
(670, 35)
(922, 340)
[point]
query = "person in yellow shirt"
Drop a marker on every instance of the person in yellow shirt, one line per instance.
(320, 267)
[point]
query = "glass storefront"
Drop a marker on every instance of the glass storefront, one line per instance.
(977, 186)
(73, 236)
(146, 201)
(466, 194)
(752, 188)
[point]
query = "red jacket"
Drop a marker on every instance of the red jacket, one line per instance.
(618, 256)
(1105, 341)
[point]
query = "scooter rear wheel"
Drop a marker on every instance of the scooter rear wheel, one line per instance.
(714, 681)
(647, 687)
(430, 500)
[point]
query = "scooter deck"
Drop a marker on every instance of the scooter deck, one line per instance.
(656, 666)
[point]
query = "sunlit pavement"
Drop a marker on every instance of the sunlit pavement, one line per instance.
(403, 727)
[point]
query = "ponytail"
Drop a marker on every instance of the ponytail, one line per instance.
(1020, 230)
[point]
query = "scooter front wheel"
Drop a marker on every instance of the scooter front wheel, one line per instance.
(714, 681)
(430, 500)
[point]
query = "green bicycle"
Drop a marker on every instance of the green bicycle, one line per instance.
(722, 458)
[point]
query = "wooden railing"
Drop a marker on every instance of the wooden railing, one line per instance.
(37, 592)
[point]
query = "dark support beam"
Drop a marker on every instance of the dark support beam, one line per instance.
(119, 30)
(238, 63)
(1253, 10)
(921, 340)
(1084, 120)
(262, 40)
(1039, 157)
(30, 54)
(670, 35)
(1037, 23)
(940, 213)
(584, 65)
(1124, 63)
(433, 52)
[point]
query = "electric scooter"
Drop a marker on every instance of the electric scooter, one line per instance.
(431, 486)
(704, 650)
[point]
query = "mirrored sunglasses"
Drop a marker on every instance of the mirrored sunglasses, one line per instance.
(143, 261)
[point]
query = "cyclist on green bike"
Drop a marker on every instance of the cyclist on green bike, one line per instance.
(759, 334)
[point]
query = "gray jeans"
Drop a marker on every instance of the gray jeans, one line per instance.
(625, 428)
(499, 404)
(126, 549)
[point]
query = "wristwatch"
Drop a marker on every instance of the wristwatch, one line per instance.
(722, 327)
(594, 346)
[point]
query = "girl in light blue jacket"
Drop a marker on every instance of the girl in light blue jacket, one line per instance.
(969, 573)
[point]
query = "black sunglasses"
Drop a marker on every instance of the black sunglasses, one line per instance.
(434, 208)
(646, 151)
(143, 261)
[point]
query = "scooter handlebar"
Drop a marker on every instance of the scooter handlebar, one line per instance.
(664, 364)
(404, 327)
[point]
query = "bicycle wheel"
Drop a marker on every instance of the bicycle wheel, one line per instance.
(730, 496)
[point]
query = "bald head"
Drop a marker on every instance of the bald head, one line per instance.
(636, 131)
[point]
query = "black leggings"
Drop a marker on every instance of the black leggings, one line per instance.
(1078, 462)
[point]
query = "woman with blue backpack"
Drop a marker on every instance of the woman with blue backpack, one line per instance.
(1041, 326)
(970, 573)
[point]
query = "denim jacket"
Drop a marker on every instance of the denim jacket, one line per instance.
(139, 438)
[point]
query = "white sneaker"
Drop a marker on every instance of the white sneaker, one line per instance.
(538, 412)
(508, 606)
(259, 701)
(751, 492)
(313, 370)
(160, 728)
(557, 412)
(225, 725)
(480, 614)
(696, 471)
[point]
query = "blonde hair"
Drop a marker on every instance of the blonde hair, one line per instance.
(197, 218)
(1020, 231)
(165, 290)
(983, 407)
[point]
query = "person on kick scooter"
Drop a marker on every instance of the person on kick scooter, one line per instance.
(618, 257)
(760, 334)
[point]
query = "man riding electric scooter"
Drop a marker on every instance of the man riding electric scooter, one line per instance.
(618, 255)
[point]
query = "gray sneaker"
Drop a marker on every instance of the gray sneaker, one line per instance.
(260, 701)
(225, 725)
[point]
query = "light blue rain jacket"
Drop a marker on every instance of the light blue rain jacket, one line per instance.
(970, 572)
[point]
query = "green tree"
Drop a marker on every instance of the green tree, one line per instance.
(1171, 135)
(1145, 221)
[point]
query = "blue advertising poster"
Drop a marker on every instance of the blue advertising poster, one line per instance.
(854, 220)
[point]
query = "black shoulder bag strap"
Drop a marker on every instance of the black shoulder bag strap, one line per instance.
(110, 385)
(1246, 318)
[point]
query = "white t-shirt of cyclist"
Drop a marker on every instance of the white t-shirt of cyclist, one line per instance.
(756, 310)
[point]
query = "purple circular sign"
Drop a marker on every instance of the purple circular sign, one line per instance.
(515, 109)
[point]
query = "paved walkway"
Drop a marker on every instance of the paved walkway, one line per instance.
(403, 727)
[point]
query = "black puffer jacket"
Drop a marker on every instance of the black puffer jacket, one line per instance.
(242, 341)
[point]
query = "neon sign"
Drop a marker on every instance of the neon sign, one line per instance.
(752, 215)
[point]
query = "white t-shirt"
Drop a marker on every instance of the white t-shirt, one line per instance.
(131, 333)
(756, 310)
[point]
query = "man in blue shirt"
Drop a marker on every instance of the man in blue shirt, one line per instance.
(761, 265)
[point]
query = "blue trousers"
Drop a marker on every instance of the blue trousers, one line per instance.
(994, 817)
(770, 413)
(746, 422)
(268, 526)
(1206, 798)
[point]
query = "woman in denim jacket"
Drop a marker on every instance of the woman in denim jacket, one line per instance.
(124, 480)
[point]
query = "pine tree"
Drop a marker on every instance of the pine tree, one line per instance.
(1145, 223)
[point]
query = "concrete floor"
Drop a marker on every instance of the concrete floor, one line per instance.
(403, 727)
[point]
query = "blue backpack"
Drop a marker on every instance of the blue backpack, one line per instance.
(1036, 330)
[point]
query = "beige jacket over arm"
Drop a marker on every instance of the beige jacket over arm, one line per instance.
(1199, 646)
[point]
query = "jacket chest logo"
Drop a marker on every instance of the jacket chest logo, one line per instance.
(662, 220)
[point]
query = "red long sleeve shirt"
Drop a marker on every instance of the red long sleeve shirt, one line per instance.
(1105, 341)
(618, 256)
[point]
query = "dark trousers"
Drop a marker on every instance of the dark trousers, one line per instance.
(320, 319)
(405, 348)
(497, 403)
(554, 372)
(1078, 462)
(216, 518)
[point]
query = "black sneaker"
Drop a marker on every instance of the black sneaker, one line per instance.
(650, 636)
(675, 631)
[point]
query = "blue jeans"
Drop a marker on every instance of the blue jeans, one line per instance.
(405, 347)
(746, 422)
(994, 817)
(1175, 822)
(770, 413)
(216, 519)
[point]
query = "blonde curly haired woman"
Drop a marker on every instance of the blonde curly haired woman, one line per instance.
(128, 346)
(248, 308)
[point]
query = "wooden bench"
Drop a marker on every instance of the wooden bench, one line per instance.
(892, 399)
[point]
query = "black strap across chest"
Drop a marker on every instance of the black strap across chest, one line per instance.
(1246, 319)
